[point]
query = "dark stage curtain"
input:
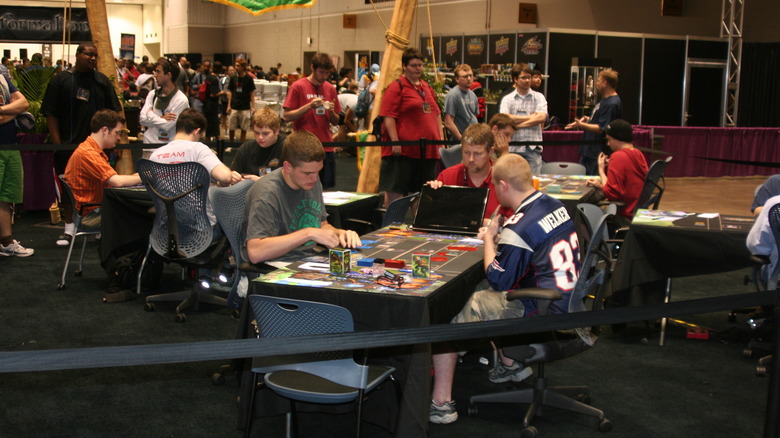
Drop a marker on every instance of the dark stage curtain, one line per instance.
(759, 89)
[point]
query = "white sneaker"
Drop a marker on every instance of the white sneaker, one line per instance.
(15, 249)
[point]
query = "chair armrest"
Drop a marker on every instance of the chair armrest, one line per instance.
(250, 268)
(534, 292)
(760, 259)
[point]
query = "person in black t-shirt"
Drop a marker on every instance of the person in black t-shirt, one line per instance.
(259, 157)
(242, 102)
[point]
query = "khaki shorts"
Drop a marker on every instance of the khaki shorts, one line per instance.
(486, 304)
(239, 119)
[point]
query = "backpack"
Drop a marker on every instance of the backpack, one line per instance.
(203, 91)
(363, 103)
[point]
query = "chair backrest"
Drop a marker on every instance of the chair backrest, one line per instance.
(588, 294)
(452, 155)
(592, 214)
(654, 186)
(228, 204)
(589, 290)
(72, 199)
(774, 224)
(396, 211)
(562, 168)
(181, 227)
(286, 317)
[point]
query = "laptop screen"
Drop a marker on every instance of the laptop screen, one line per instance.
(451, 209)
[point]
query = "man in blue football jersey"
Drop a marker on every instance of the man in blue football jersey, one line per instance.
(536, 247)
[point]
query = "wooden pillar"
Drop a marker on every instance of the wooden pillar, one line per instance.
(98, 25)
(401, 25)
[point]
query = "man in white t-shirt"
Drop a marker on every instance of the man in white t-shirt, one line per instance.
(186, 146)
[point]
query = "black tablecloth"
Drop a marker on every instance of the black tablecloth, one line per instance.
(362, 209)
(374, 311)
(126, 221)
(651, 254)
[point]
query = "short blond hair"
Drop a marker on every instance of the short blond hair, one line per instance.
(460, 68)
(266, 118)
(515, 171)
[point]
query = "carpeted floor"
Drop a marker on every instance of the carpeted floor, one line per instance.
(686, 388)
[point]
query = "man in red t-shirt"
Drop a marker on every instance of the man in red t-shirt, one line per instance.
(623, 173)
(312, 105)
(477, 167)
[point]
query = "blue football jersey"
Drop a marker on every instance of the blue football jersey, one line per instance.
(537, 247)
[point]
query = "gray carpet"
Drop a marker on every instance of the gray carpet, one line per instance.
(686, 388)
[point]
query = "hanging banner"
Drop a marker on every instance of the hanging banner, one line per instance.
(476, 52)
(19, 23)
(259, 7)
(127, 47)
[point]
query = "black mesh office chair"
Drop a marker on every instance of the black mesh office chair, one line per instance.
(79, 231)
(322, 378)
(229, 205)
(587, 295)
(182, 232)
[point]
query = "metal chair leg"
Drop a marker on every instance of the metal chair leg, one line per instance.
(67, 262)
(141, 269)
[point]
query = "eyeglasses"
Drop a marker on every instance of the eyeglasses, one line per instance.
(525, 78)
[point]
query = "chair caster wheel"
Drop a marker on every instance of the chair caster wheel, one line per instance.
(747, 352)
(529, 432)
(61, 286)
(149, 307)
(180, 317)
(732, 318)
(473, 411)
(583, 398)
(218, 379)
(605, 425)
(77, 273)
(760, 371)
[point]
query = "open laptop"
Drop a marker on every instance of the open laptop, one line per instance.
(451, 210)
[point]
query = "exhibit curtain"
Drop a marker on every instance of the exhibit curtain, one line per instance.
(759, 85)
(258, 7)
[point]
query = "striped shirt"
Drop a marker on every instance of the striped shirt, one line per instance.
(524, 105)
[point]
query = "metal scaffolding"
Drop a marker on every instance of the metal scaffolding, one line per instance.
(731, 28)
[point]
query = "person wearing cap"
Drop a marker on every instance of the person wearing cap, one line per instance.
(608, 109)
(370, 76)
(623, 173)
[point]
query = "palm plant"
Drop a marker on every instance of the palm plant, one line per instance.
(32, 84)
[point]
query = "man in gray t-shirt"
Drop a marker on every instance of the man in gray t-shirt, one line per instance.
(285, 210)
(460, 105)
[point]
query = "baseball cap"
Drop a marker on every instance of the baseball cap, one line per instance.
(620, 130)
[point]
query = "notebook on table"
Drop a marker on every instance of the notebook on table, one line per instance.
(451, 210)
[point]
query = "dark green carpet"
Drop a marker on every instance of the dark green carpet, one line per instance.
(687, 388)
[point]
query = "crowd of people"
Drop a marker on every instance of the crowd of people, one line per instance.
(285, 214)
